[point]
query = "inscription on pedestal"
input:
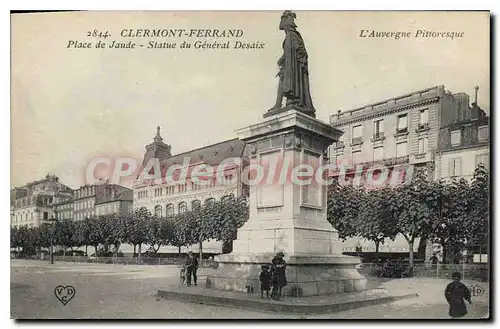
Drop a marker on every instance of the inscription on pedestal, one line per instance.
(311, 194)
(269, 193)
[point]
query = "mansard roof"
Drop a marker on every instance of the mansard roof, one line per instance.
(212, 155)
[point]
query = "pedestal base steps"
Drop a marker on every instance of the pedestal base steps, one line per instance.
(306, 275)
(290, 305)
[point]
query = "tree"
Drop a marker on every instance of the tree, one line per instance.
(81, 235)
(15, 241)
(135, 229)
(222, 219)
(112, 231)
(186, 231)
(63, 233)
(375, 222)
(44, 234)
(479, 215)
(95, 232)
(449, 213)
(411, 213)
(344, 203)
(158, 232)
(27, 239)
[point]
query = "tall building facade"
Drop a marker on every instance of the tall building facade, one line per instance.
(398, 131)
(33, 203)
(407, 131)
(182, 193)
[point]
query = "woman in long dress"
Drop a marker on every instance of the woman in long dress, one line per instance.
(278, 275)
(456, 292)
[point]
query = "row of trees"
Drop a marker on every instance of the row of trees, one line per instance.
(454, 214)
(218, 220)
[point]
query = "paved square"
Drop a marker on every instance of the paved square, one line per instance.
(128, 291)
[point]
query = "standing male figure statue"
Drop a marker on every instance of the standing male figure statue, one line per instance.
(293, 68)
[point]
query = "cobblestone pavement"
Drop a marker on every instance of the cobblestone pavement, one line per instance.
(128, 291)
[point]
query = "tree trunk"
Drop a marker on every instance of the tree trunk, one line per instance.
(179, 250)
(134, 252)
(95, 247)
(445, 252)
(64, 250)
(140, 256)
(86, 254)
(201, 250)
(410, 246)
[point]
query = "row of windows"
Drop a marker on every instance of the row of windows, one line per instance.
(84, 205)
(109, 208)
(29, 201)
(181, 188)
(379, 154)
(24, 217)
(182, 207)
(85, 192)
(482, 136)
(64, 215)
(65, 206)
(455, 164)
(378, 126)
(83, 215)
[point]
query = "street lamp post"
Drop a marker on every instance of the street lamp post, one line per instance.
(51, 250)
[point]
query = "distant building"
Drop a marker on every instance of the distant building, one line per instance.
(32, 204)
(463, 145)
(64, 209)
(113, 199)
(84, 202)
(176, 196)
(95, 200)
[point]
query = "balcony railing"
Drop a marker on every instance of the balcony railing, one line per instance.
(357, 140)
(339, 145)
(378, 136)
(422, 126)
(402, 131)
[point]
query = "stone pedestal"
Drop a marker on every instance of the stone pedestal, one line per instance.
(288, 213)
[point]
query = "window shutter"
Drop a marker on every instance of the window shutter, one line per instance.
(458, 166)
(451, 167)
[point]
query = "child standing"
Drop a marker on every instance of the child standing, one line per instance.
(265, 281)
(456, 292)
(183, 274)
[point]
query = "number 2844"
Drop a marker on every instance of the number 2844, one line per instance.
(98, 34)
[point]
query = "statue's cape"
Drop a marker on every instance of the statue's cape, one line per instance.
(293, 49)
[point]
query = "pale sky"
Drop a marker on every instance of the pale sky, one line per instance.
(70, 105)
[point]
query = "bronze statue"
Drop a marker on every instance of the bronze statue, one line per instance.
(293, 69)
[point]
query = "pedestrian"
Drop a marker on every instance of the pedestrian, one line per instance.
(456, 292)
(191, 268)
(265, 281)
(278, 275)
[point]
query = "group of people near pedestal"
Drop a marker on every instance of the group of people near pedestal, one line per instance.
(273, 277)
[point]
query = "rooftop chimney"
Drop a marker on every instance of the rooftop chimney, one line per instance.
(475, 97)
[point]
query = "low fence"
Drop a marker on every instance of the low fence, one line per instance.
(127, 260)
(478, 272)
